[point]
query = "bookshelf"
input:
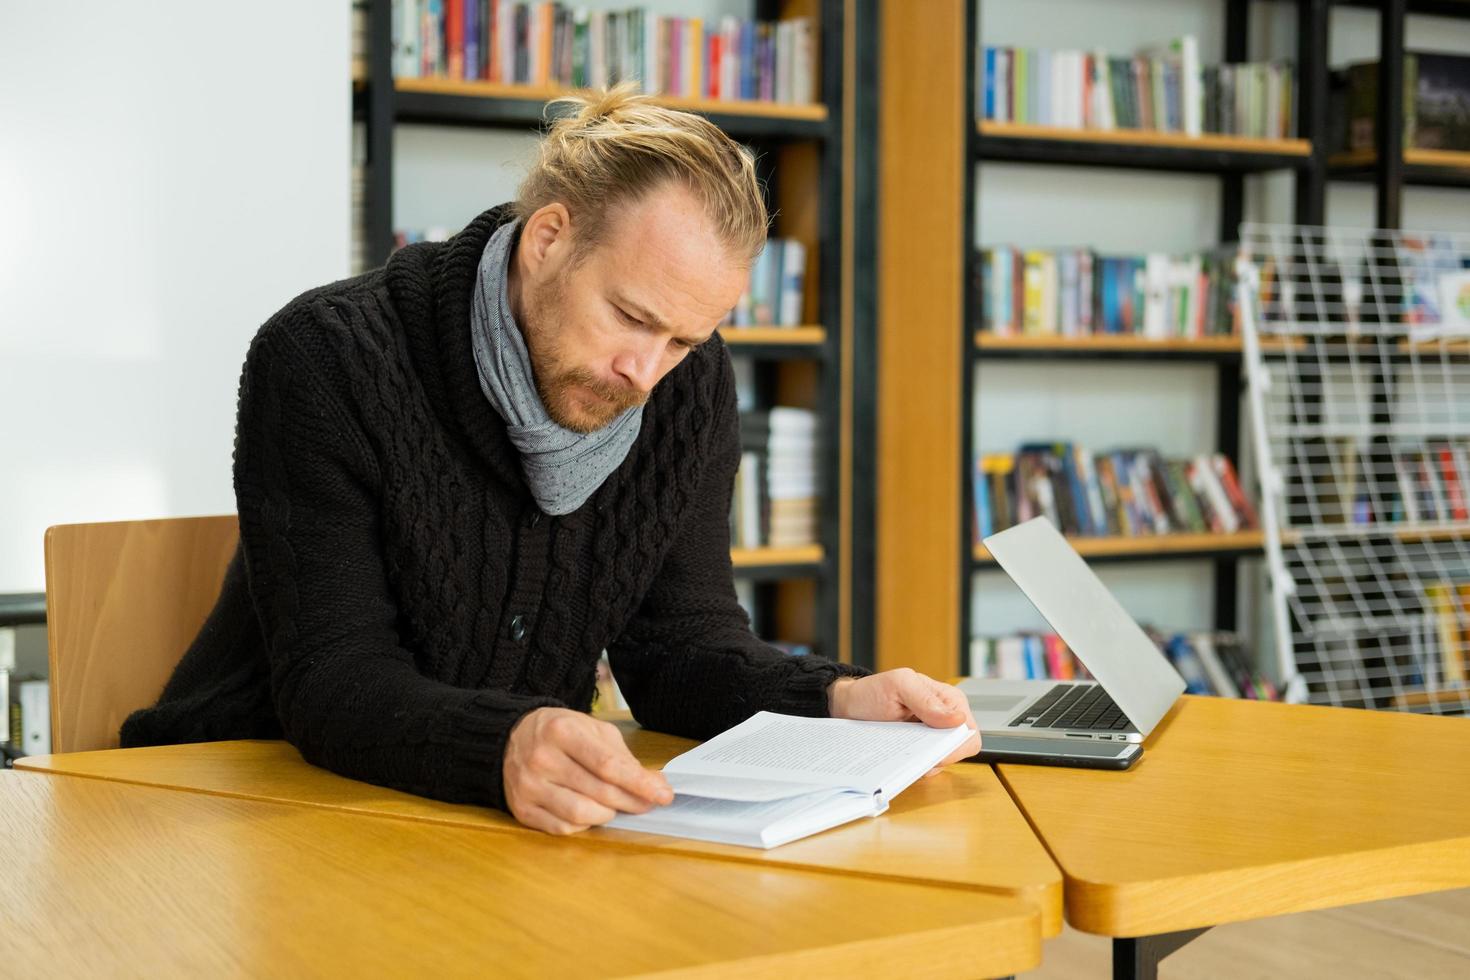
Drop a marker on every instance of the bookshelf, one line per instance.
(1231, 158)
(1021, 142)
(1390, 166)
(1153, 547)
(804, 594)
(930, 527)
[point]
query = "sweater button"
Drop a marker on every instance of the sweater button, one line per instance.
(518, 628)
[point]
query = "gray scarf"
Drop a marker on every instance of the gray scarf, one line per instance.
(563, 468)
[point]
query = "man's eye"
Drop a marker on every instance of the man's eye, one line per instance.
(628, 317)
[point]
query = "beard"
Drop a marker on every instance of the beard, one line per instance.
(564, 388)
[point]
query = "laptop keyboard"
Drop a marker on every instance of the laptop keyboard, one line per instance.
(1082, 706)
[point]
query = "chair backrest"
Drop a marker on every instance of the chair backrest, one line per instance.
(123, 602)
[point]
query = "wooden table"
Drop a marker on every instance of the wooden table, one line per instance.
(100, 877)
(959, 829)
(1246, 809)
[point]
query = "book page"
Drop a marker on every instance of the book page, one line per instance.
(764, 824)
(736, 787)
(862, 755)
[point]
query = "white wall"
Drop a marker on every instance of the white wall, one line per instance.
(171, 173)
(1106, 404)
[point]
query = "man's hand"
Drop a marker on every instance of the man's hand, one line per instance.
(905, 695)
(565, 771)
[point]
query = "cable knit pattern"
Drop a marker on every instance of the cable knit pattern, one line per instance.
(398, 602)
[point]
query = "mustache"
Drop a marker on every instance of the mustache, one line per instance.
(623, 396)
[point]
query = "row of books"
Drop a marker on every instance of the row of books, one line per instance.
(410, 236)
(357, 213)
(27, 703)
(1163, 89)
(1413, 279)
(30, 718)
(547, 44)
(1077, 292)
(775, 296)
(1210, 663)
(1436, 103)
(774, 503)
(1427, 482)
(777, 287)
(1449, 605)
(1124, 493)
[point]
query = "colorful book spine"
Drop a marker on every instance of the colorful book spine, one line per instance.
(1164, 89)
(551, 44)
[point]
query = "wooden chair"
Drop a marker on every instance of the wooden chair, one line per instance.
(123, 602)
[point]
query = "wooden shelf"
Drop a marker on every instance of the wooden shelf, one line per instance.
(1141, 148)
(1117, 345)
(1413, 535)
(1446, 532)
(775, 558)
(1412, 157)
(1105, 342)
(1442, 168)
(1155, 546)
(538, 93)
(447, 101)
(1447, 345)
(1148, 137)
(22, 608)
(1438, 701)
(794, 336)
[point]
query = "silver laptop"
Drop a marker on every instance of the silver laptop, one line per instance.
(1135, 683)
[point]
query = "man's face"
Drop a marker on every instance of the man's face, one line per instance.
(603, 331)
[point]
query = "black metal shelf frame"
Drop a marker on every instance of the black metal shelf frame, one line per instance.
(22, 609)
(380, 107)
(1009, 148)
(1414, 175)
(783, 352)
(784, 570)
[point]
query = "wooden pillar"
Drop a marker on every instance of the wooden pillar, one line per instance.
(921, 262)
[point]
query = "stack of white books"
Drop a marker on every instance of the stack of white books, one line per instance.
(791, 474)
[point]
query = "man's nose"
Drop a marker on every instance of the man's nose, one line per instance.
(640, 365)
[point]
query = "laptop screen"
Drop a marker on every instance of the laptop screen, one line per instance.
(1089, 619)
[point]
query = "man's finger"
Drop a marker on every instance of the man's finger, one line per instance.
(936, 704)
(574, 808)
(574, 777)
(611, 762)
(539, 818)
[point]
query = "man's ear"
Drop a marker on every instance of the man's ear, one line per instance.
(547, 238)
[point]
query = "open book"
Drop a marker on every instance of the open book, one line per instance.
(776, 778)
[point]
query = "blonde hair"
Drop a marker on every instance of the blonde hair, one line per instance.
(618, 146)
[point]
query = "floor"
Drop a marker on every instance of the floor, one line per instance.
(1426, 936)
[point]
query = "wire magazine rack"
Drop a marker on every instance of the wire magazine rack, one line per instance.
(1357, 355)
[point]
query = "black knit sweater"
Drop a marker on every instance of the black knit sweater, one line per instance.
(398, 602)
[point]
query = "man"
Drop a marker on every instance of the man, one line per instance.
(463, 476)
